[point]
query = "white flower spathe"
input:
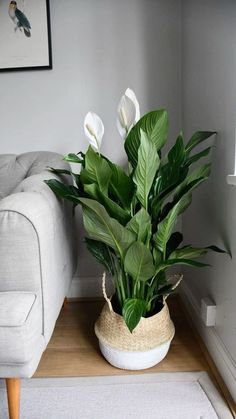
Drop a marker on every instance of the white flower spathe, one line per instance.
(94, 130)
(128, 112)
(130, 93)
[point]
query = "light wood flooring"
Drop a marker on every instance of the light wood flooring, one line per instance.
(73, 349)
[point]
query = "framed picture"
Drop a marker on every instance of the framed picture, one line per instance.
(25, 35)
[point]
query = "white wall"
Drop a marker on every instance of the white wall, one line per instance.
(99, 49)
(209, 103)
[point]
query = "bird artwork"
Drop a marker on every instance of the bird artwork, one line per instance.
(19, 19)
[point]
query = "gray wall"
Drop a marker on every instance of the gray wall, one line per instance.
(209, 103)
(99, 49)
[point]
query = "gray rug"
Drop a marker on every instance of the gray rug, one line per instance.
(148, 396)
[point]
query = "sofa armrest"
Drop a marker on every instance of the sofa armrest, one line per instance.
(36, 246)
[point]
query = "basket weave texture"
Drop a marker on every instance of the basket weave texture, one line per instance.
(151, 332)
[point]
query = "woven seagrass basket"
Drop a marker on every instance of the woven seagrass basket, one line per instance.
(144, 347)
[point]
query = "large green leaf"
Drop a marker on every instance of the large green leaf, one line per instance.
(122, 186)
(197, 138)
(148, 163)
(200, 172)
(68, 192)
(155, 125)
(218, 250)
(101, 226)
(166, 226)
(101, 252)
(96, 170)
(132, 311)
(197, 156)
(113, 209)
(141, 226)
(172, 173)
(188, 188)
(188, 252)
(157, 256)
(177, 154)
(168, 182)
(181, 192)
(138, 262)
(171, 262)
(59, 172)
(174, 241)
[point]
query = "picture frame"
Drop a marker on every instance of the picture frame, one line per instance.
(25, 33)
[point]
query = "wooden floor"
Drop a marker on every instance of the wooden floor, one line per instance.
(73, 349)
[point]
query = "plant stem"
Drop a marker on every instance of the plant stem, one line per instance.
(122, 291)
(128, 285)
(142, 290)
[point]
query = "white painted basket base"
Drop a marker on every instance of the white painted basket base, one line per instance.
(137, 360)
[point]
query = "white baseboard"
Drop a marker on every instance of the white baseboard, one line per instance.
(218, 351)
(88, 287)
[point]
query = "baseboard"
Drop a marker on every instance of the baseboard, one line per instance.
(218, 351)
(88, 287)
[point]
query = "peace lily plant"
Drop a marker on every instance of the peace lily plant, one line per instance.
(130, 214)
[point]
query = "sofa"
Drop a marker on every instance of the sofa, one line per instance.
(37, 260)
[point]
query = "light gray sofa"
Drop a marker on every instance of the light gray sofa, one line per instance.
(37, 260)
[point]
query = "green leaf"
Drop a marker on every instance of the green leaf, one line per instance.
(170, 178)
(200, 172)
(188, 188)
(148, 162)
(73, 158)
(181, 191)
(113, 209)
(101, 252)
(177, 154)
(166, 226)
(189, 262)
(132, 312)
(121, 185)
(68, 192)
(155, 125)
(218, 250)
(157, 256)
(96, 170)
(59, 172)
(174, 241)
(141, 226)
(138, 262)
(188, 252)
(197, 138)
(197, 156)
(101, 226)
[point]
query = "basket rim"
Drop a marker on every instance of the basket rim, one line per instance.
(135, 341)
(142, 318)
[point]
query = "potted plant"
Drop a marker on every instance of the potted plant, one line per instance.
(130, 215)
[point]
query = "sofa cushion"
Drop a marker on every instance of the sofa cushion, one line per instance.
(15, 307)
(20, 326)
(15, 168)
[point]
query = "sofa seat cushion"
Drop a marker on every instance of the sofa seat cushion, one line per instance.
(15, 307)
(20, 326)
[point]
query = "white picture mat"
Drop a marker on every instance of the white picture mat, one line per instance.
(16, 50)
